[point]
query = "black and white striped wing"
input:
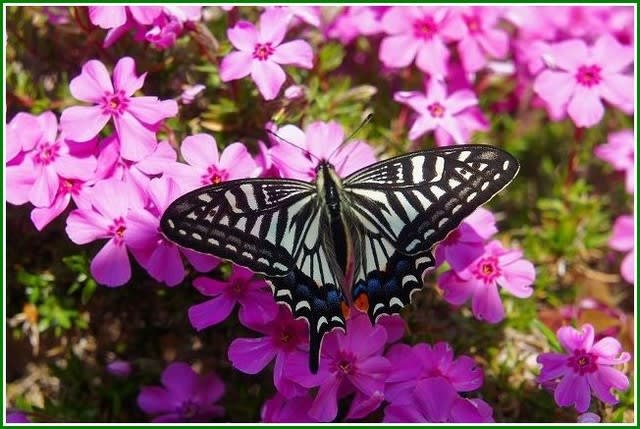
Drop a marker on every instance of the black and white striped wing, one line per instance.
(401, 207)
(272, 227)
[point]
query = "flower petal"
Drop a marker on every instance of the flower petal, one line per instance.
(82, 123)
(180, 380)
(432, 57)
(554, 365)
(325, 404)
(107, 16)
(235, 65)
(570, 54)
(125, 78)
(92, 83)
(297, 52)
(572, 339)
(612, 56)
(210, 312)
(155, 400)
(136, 140)
(269, 78)
(150, 110)
(573, 390)
(251, 355)
(398, 51)
(273, 25)
(486, 304)
(243, 36)
(585, 107)
(111, 266)
(555, 87)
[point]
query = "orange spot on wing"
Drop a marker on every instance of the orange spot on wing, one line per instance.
(346, 311)
(362, 302)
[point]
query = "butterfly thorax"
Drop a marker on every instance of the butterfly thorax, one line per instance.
(329, 186)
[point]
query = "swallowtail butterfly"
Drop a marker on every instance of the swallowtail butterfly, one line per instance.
(362, 241)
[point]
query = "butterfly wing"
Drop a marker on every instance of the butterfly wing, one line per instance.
(273, 227)
(403, 206)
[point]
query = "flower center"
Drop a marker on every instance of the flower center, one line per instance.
(582, 362)
(346, 364)
(425, 28)
(47, 153)
(589, 75)
(436, 109)
(473, 23)
(188, 409)
(115, 104)
(69, 186)
(487, 269)
(117, 230)
(262, 51)
(212, 177)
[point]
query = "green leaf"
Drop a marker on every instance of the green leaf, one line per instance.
(331, 56)
(548, 334)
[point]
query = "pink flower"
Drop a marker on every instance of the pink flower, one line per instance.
(437, 111)
(354, 21)
(309, 14)
(105, 216)
(160, 257)
(622, 240)
(190, 92)
(183, 397)
(260, 52)
(69, 189)
(205, 166)
(420, 33)
(319, 141)
(582, 76)
(283, 336)
(134, 117)
(281, 409)
(434, 400)
(256, 301)
(23, 133)
(619, 151)
(480, 280)
(120, 368)
(17, 417)
(40, 174)
(482, 38)
(585, 368)
(466, 243)
(351, 362)
(115, 16)
(413, 364)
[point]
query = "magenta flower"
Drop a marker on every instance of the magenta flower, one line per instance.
(282, 337)
(466, 243)
(482, 39)
(308, 14)
(354, 21)
(622, 240)
(160, 257)
(619, 151)
(419, 33)
(205, 166)
(437, 110)
(183, 397)
(120, 368)
(17, 417)
(434, 400)
(257, 305)
(351, 362)
(69, 189)
(23, 133)
(260, 52)
(134, 118)
(190, 92)
(480, 280)
(319, 141)
(104, 215)
(422, 361)
(281, 409)
(585, 368)
(115, 16)
(583, 76)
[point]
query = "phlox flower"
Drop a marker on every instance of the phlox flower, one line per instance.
(183, 397)
(134, 117)
(350, 362)
(439, 111)
(17, 417)
(622, 240)
(354, 21)
(282, 336)
(22, 134)
(309, 14)
(466, 243)
(419, 33)
(434, 400)
(498, 266)
(160, 257)
(261, 51)
(319, 140)
(104, 216)
(422, 361)
(581, 76)
(584, 369)
(120, 368)
(281, 409)
(588, 418)
(619, 151)
(481, 39)
(206, 166)
(257, 305)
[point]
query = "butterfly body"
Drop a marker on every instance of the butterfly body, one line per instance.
(362, 241)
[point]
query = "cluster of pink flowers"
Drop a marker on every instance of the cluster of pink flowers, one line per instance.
(106, 157)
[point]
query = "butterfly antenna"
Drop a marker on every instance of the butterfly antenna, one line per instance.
(305, 151)
(364, 122)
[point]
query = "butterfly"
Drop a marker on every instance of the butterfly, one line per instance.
(332, 244)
